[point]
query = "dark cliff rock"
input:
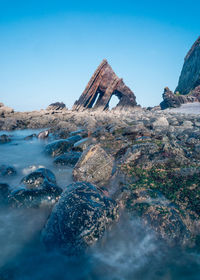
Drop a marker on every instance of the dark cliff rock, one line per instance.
(190, 74)
(103, 84)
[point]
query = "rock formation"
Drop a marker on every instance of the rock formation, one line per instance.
(103, 84)
(190, 74)
(171, 100)
(188, 89)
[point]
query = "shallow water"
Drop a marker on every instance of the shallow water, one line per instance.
(28, 155)
(128, 251)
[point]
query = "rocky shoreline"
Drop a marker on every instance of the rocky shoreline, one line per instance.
(146, 161)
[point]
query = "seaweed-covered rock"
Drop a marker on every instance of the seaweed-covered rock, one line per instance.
(37, 189)
(79, 219)
(60, 147)
(68, 159)
(155, 210)
(94, 166)
(38, 177)
(47, 195)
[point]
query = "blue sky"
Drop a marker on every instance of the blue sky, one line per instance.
(49, 49)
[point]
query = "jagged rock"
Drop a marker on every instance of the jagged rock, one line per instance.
(103, 84)
(190, 74)
(56, 106)
(79, 219)
(171, 100)
(94, 166)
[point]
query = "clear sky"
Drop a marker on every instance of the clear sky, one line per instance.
(50, 48)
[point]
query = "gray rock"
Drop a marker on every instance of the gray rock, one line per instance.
(94, 166)
(161, 122)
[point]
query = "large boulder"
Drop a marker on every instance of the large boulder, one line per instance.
(94, 166)
(79, 219)
(62, 146)
(37, 189)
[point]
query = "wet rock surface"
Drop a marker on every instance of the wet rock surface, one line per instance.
(68, 159)
(36, 189)
(60, 147)
(79, 219)
(153, 175)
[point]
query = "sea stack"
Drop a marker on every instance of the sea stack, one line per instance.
(100, 89)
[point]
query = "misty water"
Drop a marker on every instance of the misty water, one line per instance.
(128, 250)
